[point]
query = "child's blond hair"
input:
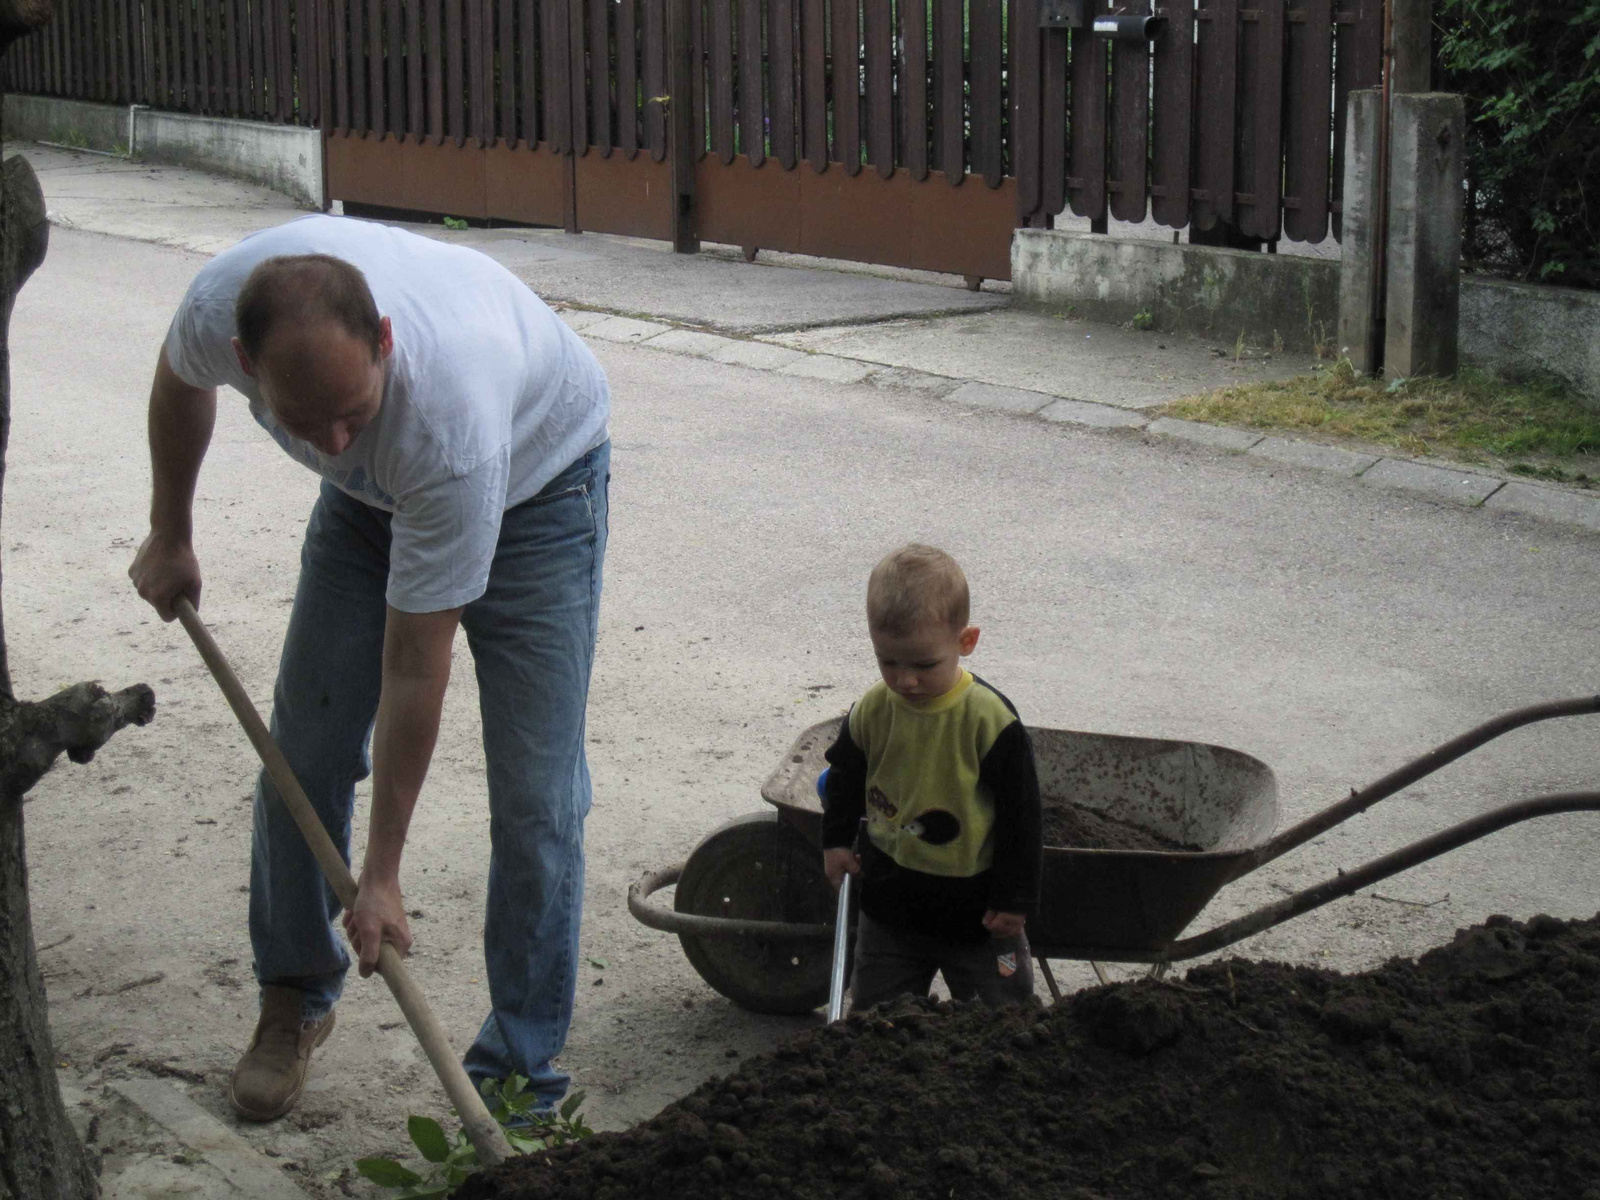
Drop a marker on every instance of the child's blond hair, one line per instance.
(913, 585)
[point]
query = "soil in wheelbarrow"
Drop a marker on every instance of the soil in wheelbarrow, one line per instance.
(1471, 1072)
(1072, 825)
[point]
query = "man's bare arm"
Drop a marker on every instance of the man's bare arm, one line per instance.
(180, 424)
(416, 668)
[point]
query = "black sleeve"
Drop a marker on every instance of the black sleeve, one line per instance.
(1009, 774)
(844, 801)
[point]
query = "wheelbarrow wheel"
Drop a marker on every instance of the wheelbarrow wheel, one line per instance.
(757, 867)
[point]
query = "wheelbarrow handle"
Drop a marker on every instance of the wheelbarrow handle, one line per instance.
(1346, 883)
(1403, 777)
(693, 925)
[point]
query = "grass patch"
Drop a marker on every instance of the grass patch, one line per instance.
(1538, 429)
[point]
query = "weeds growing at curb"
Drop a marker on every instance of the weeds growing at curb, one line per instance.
(511, 1104)
(1538, 429)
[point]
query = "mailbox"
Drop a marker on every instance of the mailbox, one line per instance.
(1124, 28)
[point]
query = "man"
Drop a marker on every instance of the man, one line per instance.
(460, 429)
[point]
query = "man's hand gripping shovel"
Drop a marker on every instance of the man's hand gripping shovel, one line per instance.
(482, 1129)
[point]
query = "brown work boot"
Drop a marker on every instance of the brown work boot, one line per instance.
(270, 1076)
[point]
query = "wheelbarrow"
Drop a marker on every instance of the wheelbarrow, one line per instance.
(754, 910)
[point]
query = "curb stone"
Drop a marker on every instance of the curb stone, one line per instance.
(244, 1172)
(1457, 486)
(1220, 436)
(1436, 479)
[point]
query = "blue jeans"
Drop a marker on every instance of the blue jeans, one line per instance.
(532, 636)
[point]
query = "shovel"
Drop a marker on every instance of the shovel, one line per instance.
(481, 1129)
(841, 933)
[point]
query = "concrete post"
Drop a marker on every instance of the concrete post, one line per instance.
(1359, 276)
(1423, 282)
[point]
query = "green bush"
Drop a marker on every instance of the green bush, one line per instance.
(1530, 73)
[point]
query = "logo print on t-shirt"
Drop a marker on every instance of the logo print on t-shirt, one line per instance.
(936, 827)
(879, 799)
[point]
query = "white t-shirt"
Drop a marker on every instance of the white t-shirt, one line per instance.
(489, 395)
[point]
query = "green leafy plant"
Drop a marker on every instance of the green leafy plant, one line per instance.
(454, 223)
(1530, 74)
(512, 1105)
(1142, 320)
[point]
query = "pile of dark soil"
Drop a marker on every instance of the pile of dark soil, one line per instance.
(1074, 826)
(1473, 1072)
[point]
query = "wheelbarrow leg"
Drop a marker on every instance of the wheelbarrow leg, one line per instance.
(1049, 978)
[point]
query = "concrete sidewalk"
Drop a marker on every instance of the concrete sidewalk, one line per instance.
(803, 317)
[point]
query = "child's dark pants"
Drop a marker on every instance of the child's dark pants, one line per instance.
(890, 962)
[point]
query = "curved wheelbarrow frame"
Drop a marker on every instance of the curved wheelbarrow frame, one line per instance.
(1197, 875)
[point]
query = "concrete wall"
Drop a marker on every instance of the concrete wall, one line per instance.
(286, 158)
(1188, 289)
(101, 127)
(1521, 329)
(1515, 329)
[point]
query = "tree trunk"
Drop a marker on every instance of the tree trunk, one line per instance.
(40, 1155)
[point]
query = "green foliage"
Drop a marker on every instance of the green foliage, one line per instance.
(454, 223)
(1531, 77)
(512, 1105)
(1142, 320)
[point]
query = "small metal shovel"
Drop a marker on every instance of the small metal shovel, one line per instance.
(841, 933)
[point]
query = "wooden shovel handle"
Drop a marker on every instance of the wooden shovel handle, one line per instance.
(482, 1129)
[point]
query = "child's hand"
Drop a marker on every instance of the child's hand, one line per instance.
(1004, 925)
(839, 861)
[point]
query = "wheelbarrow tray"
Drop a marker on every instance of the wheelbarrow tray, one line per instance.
(1109, 904)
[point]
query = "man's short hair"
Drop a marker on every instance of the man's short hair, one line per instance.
(913, 585)
(303, 289)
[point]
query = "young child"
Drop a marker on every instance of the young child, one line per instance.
(942, 769)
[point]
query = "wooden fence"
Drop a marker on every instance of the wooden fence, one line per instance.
(966, 115)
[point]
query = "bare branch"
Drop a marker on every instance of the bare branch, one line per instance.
(78, 720)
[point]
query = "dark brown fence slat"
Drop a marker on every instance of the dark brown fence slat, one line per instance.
(371, 50)
(949, 81)
(987, 104)
(192, 58)
(356, 53)
(393, 49)
(1053, 123)
(480, 65)
(557, 75)
(200, 80)
(1309, 133)
(847, 84)
(69, 51)
(338, 43)
(600, 75)
(267, 31)
(577, 77)
(814, 83)
(1173, 119)
(455, 79)
(416, 117)
(879, 39)
(699, 68)
(781, 99)
(218, 38)
(1262, 177)
(528, 47)
(1216, 72)
(311, 53)
(914, 87)
(255, 55)
(503, 70)
(719, 84)
(433, 69)
(1026, 77)
(752, 107)
(1087, 185)
(628, 78)
(1130, 137)
(233, 93)
(655, 78)
(288, 97)
(1358, 64)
